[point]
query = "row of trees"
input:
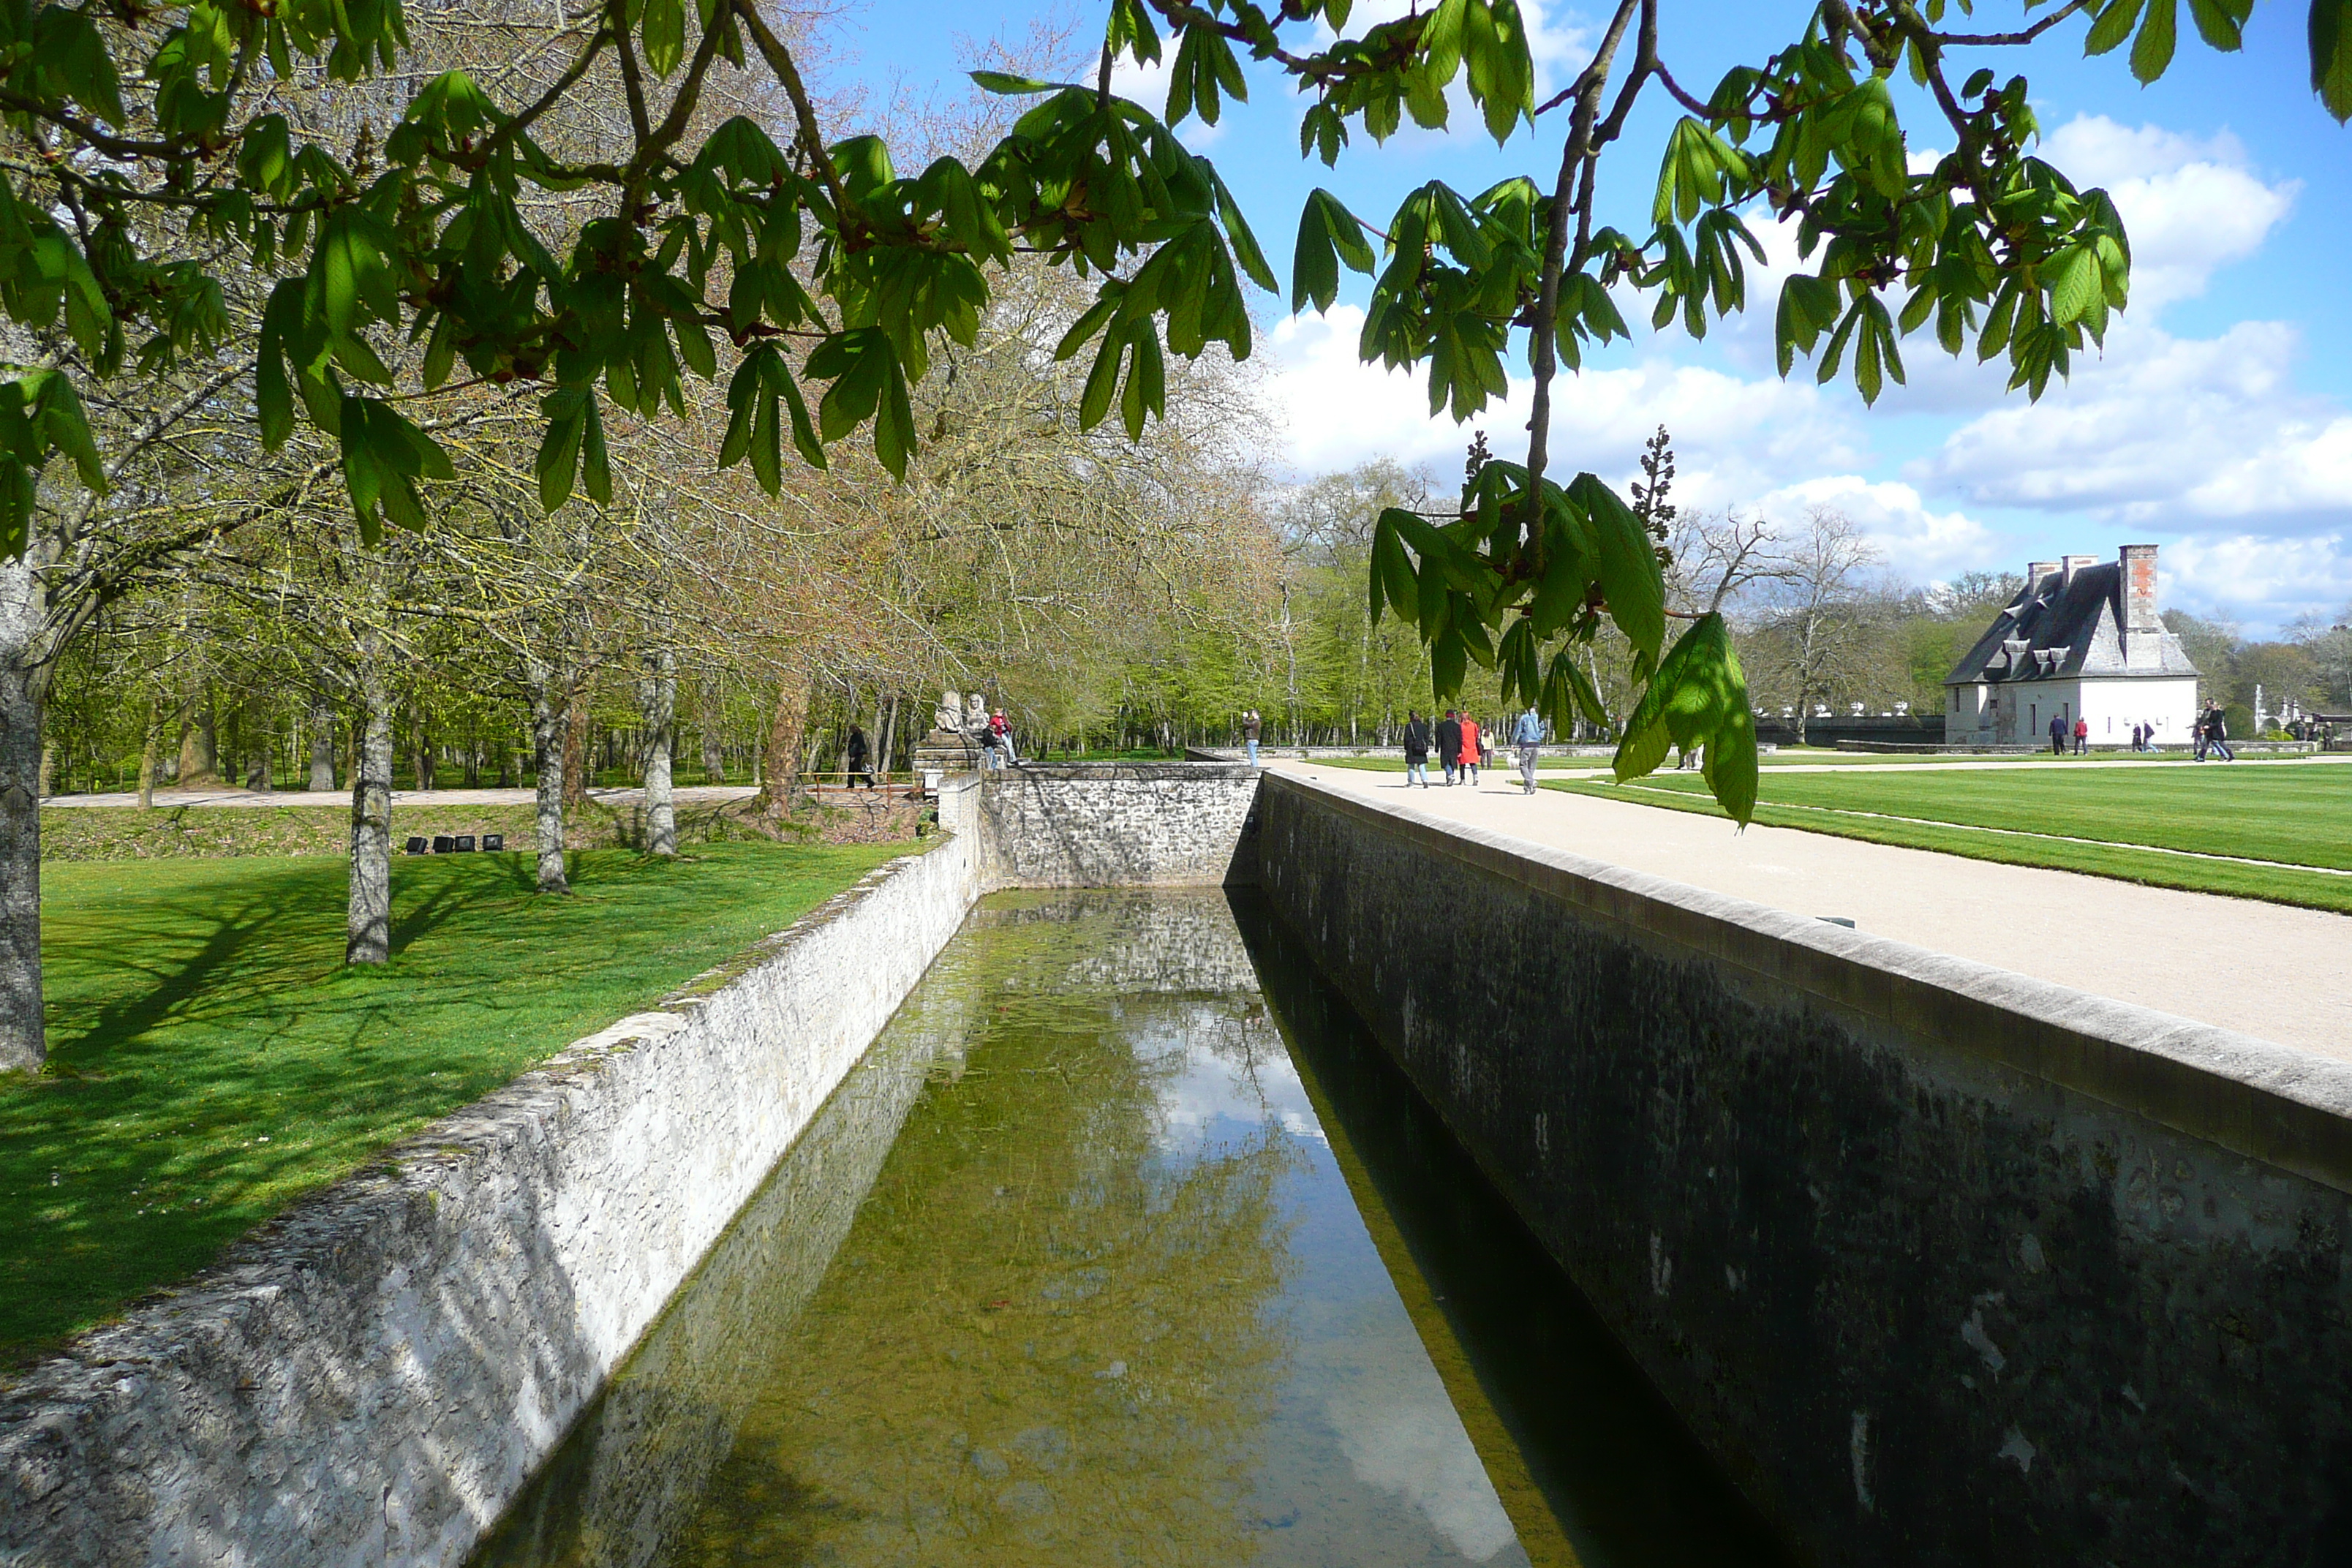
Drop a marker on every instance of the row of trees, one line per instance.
(275, 278)
(211, 613)
(1825, 624)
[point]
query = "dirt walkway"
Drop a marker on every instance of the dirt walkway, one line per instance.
(165, 798)
(2279, 973)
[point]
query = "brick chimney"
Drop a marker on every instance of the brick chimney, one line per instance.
(2143, 627)
(2035, 571)
(2070, 564)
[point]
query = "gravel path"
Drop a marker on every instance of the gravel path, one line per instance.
(343, 799)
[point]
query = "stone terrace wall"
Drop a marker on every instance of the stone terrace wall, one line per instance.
(372, 1378)
(1950, 1265)
(1110, 825)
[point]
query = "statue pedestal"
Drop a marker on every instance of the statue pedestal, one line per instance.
(941, 753)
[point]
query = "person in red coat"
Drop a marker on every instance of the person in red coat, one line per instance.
(1470, 753)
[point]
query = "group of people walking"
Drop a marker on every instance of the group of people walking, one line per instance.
(2059, 730)
(2211, 731)
(2213, 734)
(1463, 746)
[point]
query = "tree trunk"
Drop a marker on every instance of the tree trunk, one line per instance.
(423, 752)
(659, 706)
(574, 770)
(714, 749)
(322, 741)
(367, 921)
(148, 754)
(23, 1038)
(260, 742)
(785, 729)
(889, 722)
(199, 745)
(48, 771)
(552, 697)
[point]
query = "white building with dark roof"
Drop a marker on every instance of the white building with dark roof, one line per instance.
(2081, 641)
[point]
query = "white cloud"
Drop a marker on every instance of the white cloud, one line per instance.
(1560, 47)
(2191, 205)
(1734, 438)
(2164, 428)
(1557, 45)
(1921, 545)
(2259, 581)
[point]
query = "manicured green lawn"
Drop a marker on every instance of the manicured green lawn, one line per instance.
(2293, 814)
(212, 1059)
(1785, 757)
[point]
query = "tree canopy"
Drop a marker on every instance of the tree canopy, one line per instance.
(815, 277)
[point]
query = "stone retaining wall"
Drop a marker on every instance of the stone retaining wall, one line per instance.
(1948, 1265)
(373, 1377)
(1111, 824)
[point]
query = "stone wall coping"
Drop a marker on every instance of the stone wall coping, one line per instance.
(2268, 1102)
(1166, 772)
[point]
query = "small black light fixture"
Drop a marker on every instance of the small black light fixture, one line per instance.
(443, 844)
(494, 840)
(415, 847)
(465, 844)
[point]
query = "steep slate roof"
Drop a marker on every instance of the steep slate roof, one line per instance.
(2057, 628)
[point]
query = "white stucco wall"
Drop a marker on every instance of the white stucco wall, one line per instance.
(2021, 709)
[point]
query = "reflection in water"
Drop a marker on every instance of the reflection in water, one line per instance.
(1589, 1459)
(1067, 1272)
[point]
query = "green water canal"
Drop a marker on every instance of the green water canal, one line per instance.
(1126, 1245)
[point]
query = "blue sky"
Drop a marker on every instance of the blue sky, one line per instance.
(2218, 424)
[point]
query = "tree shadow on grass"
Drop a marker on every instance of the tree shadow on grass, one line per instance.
(148, 965)
(214, 1061)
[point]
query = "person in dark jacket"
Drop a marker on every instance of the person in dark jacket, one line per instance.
(1449, 743)
(1416, 750)
(857, 768)
(2058, 733)
(2217, 734)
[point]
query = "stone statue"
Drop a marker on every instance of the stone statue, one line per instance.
(947, 719)
(975, 714)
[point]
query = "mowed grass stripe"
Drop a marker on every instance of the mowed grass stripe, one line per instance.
(2274, 883)
(2295, 816)
(212, 1059)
